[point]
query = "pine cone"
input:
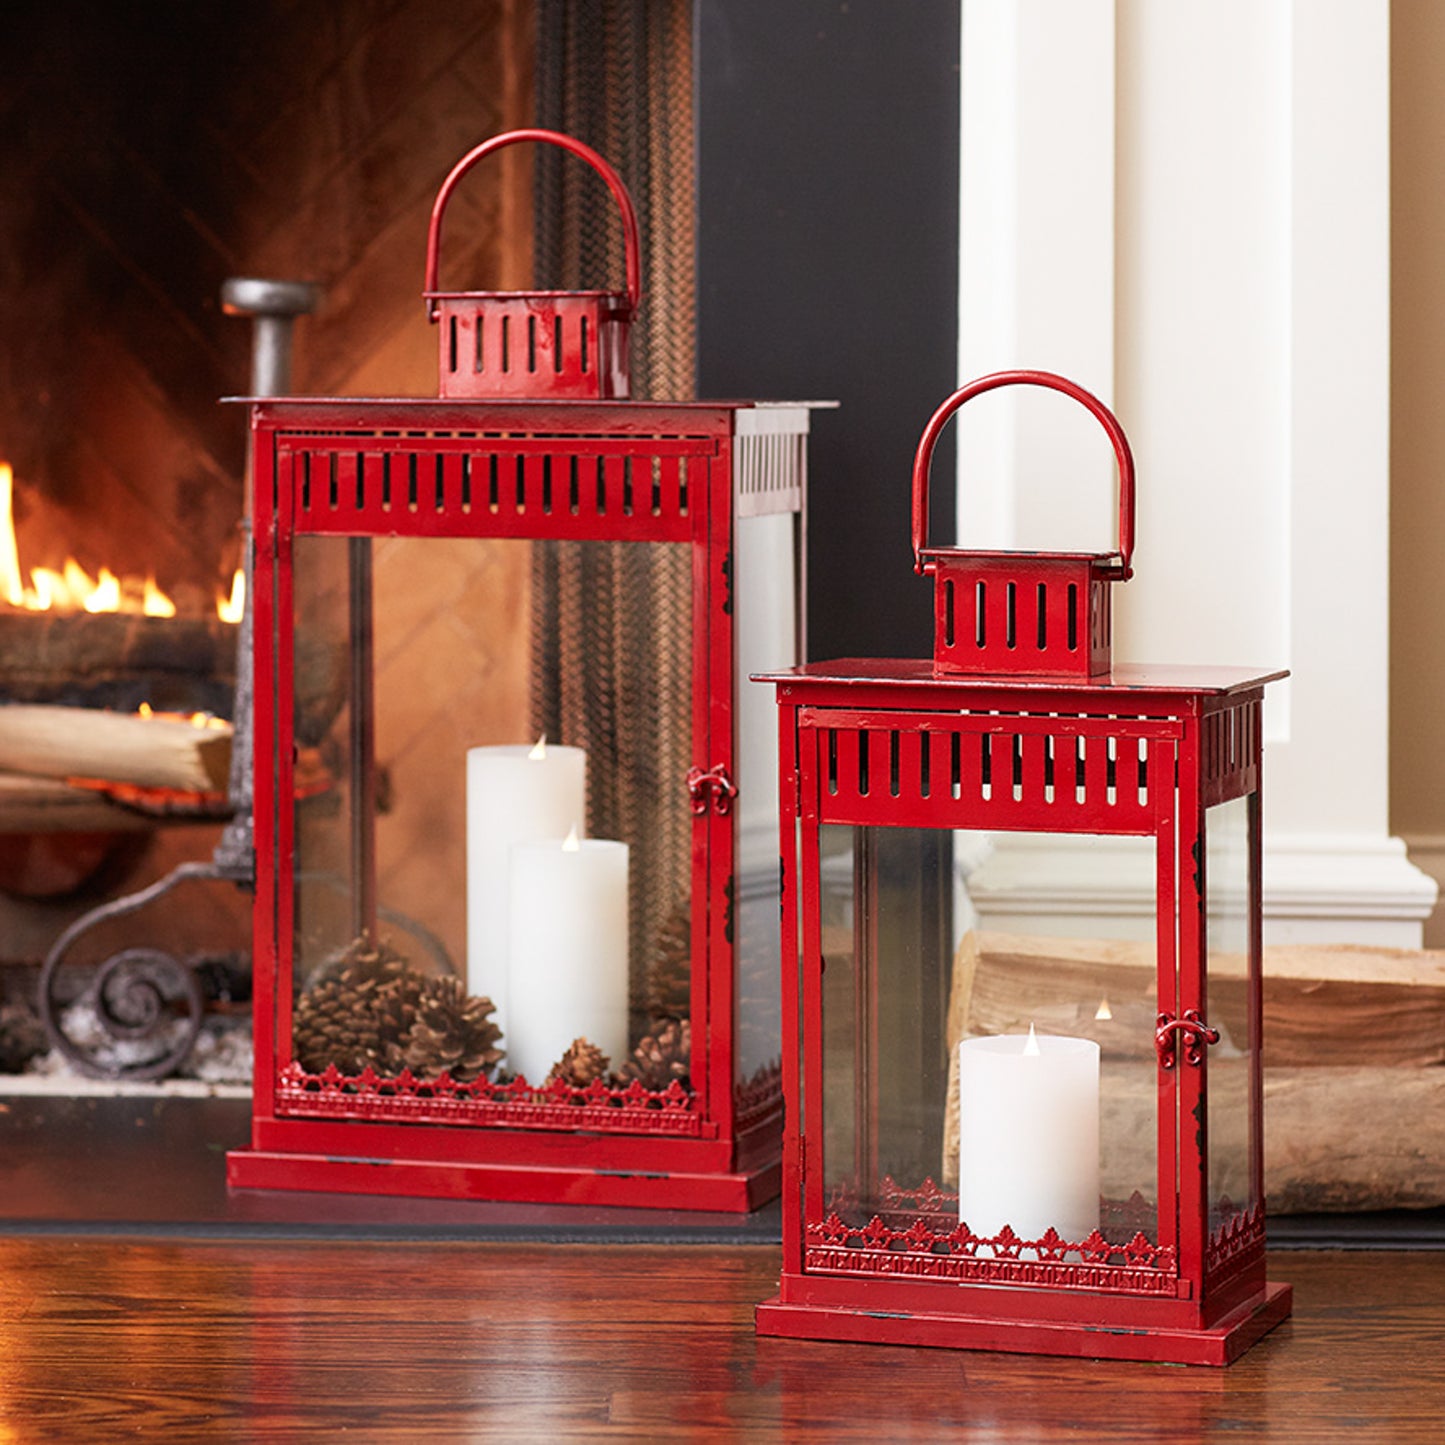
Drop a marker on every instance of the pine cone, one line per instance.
(669, 975)
(580, 1065)
(366, 958)
(359, 1013)
(664, 1055)
(452, 1033)
(333, 1024)
(396, 1002)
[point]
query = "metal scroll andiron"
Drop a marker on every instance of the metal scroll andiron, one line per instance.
(148, 1004)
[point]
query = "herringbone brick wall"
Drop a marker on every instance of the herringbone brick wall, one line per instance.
(151, 150)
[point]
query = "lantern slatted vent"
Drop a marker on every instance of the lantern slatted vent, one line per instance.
(541, 345)
(1230, 741)
(771, 465)
(1002, 770)
(453, 485)
(503, 346)
(1001, 624)
(1039, 613)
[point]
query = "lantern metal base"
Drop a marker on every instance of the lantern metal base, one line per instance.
(734, 1193)
(1219, 1345)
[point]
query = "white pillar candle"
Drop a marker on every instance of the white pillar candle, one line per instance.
(514, 794)
(567, 956)
(1029, 1135)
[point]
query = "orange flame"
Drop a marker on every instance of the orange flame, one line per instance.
(9, 555)
(73, 589)
(196, 719)
(229, 609)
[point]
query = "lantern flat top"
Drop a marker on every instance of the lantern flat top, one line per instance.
(918, 672)
(373, 415)
(563, 403)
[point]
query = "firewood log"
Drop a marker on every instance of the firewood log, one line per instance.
(149, 752)
(1354, 1052)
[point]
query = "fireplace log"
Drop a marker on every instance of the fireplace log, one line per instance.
(1335, 1139)
(88, 743)
(117, 660)
(1331, 1004)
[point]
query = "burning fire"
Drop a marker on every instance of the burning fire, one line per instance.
(196, 719)
(229, 609)
(73, 589)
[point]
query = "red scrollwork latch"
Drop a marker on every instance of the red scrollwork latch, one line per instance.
(714, 784)
(1196, 1035)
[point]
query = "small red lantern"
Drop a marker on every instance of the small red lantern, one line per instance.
(537, 344)
(632, 970)
(998, 1159)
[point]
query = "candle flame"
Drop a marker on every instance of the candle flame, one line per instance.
(539, 753)
(570, 843)
(1031, 1044)
(1103, 1011)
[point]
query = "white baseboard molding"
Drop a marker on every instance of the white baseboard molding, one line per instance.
(1427, 851)
(1317, 889)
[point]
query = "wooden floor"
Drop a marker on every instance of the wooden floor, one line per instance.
(110, 1339)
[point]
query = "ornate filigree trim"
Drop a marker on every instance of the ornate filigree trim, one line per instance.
(1239, 1238)
(405, 1099)
(759, 1097)
(1111, 1279)
(936, 1245)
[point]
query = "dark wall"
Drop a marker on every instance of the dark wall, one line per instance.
(827, 134)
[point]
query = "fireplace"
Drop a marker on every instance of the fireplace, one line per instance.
(150, 156)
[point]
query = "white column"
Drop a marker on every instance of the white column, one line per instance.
(1036, 270)
(1242, 240)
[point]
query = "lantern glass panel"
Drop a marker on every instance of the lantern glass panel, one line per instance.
(1231, 1062)
(411, 653)
(909, 974)
(767, 638)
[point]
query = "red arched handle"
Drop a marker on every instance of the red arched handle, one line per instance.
(630, 240)
(923, 459)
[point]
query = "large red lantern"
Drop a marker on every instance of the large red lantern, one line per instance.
(981, 1152)
(619, 874)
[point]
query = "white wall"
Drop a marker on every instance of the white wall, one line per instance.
(1187, 209)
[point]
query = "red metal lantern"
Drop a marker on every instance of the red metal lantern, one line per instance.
(376, 1069)
(1014, 1142)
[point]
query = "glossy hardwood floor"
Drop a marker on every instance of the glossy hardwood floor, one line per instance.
(111, 1339)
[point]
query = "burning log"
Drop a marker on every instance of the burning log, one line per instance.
(151, 752)
(117, 659)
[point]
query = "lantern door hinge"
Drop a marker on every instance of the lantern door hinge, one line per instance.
(1195, 1032)
(713, 787)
